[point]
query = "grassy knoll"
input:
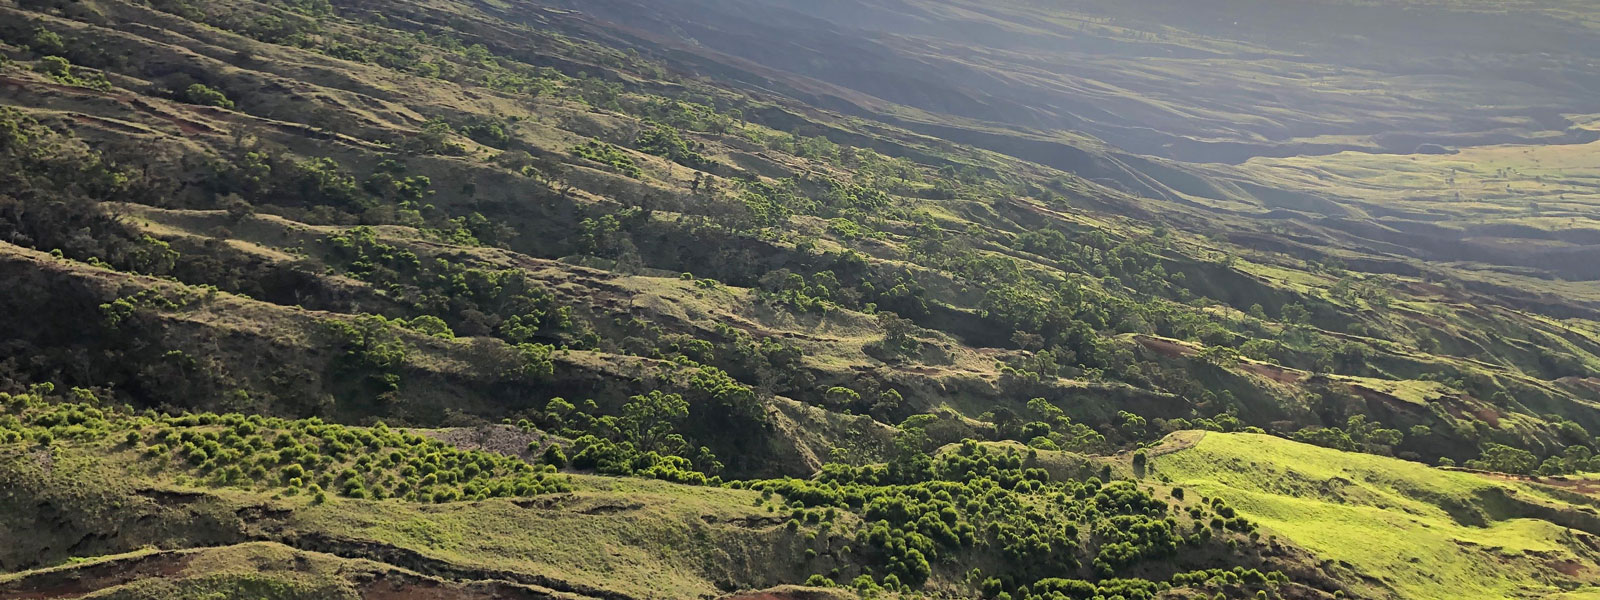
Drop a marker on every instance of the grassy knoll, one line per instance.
(1412, 530)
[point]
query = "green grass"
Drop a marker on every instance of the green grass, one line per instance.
(645, 539)
(260, 570)
(1420, 532)
(641, 538)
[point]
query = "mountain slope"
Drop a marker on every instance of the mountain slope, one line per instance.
(449, 294)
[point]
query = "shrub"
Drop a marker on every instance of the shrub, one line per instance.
(47, 42)
(554, 457)
(204, 95)
(609, 155)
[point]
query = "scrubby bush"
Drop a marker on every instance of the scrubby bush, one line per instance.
(204, 95)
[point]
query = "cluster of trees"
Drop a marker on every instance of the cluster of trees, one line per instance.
(1358, 435)
(1510, 459)
(919, 509)
(665, 141)
(1049, 429)
(644, 440)
(471, 300)
(1237, 582)
(608, 155)
(289, 456)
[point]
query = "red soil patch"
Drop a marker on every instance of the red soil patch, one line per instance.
(1588, 384)
(105, 123)
(1570, 568)
(1488, 415)
(1373, 395)
(1582, 486)
(1273, 372)
(1167, 348)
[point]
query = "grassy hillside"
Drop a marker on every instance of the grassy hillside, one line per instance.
(688, 299)
(1478, 535)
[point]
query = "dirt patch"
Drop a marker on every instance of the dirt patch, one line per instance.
(610, 509)
(1488, 415)
(745, 522)
(171, 498)
(1570, 568)
(1589, 383)
(1167, 348)
(1581, 485)
(1372, 395)
(403, 586)
(1273, 372)
(552, 502)
(418, 562)
(499, 439)
(788, 593)
(108, 124)
(83, 580)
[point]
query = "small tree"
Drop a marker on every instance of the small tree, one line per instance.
(204, 95)
(46, 42)
(554, 457)
(648, 419)
(840, 396)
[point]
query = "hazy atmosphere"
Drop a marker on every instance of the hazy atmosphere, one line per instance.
(799, 299)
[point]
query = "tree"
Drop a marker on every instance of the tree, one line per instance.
(1505, 459)
(1372, 436)
(1327, 437)
(554, 457)
(434, 138)
(204, 95)
(46, 42)
(648, 419)
(1044, 410)
(840, 396)
(898, 334)
(557, 409)
(1296, 314)
(430, 325)
(1131, 424)
(1220, 357)
(888, 402)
